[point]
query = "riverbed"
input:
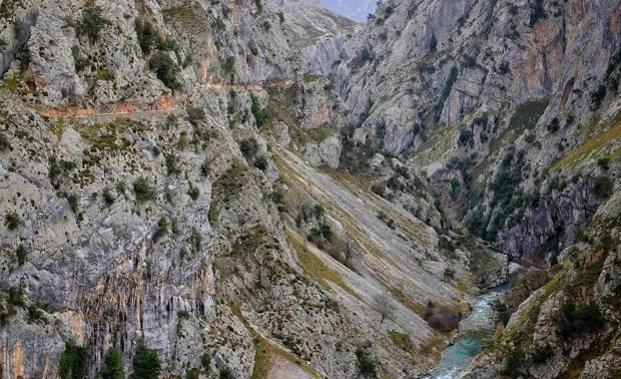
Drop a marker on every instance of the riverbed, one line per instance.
(474, 332)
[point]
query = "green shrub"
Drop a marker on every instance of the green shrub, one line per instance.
(104, 74)
(108, 197)
(514, 359)
(165, 68)
(184, 141)
(148, 36)
(20, 253)
(194, 192)
(74, 362)
(195, 241)
(150, 39)
(260, 114)
(230, 183)
(226, 373)
(363, 57)
(143, 191)
(92, 22)
(580, 319)
(205, 168)
(603, 163)
(466, 138)
(80, 62)
(192, 373)
(554, 125)
(542, 353)
(172, 164)
(74, 201)
(146, 363)
(12, 220)
(261, 163)
(469, 61)
(206, 362)
(113, 366)
(195, 115)
(603, 187)
(16, 297)
(229, 67)
(34, 313)
(5, 144)
(59, 169)
(249, 148)
(366, 364)
(162, 229)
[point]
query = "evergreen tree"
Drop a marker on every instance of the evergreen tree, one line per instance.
(146, 363)
(113, 366)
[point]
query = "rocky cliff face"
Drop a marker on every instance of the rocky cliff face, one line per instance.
(499, 104)
(511, 109)
(570, 326)
(262, 189)
(153, 195)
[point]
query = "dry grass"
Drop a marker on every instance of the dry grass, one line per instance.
(419, 309)
(315, 269)
(433, 347)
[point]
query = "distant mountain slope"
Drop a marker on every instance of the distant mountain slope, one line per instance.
(357, 10)
(307, 21)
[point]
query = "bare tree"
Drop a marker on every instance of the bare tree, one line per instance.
(385, 306)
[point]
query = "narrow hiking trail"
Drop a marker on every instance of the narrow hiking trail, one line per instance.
(160, 107)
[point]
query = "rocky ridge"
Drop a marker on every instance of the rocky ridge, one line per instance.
(145, 148)
(261, 189)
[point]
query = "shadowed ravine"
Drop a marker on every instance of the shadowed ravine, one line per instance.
(475, 330)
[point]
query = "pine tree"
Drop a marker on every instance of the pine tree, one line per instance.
(146, 363)
(113, 366)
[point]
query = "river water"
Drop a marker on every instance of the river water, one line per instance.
(474, 332)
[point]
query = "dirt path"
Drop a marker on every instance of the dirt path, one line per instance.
(161, 107)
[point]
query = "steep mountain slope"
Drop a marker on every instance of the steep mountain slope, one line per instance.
(570, 327)
(487, 100)
(511, 110)
(260, 188)
(144, 211)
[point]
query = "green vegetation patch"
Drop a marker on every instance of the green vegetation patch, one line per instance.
(525, 118)
(317, 135)
(593, 147)
(230, 183)
(527, 114)
(402, 341)
(281, 106)
(73, 362)
(108, 137)
(187, 15)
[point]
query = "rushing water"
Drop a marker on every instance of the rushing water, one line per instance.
(474, 332)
